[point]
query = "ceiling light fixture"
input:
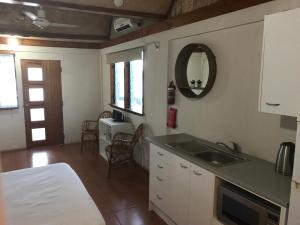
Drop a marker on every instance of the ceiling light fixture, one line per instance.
(13, 43)
(118, 3)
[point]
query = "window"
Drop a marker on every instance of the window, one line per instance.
(8, 85)
(127, 86)
(119, 84)
(136, 86)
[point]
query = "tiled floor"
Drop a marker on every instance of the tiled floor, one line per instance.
(122, 200)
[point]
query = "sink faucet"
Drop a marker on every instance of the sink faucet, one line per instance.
(236, 149)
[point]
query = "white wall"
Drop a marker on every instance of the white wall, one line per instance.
(230, 110)
(80, 89)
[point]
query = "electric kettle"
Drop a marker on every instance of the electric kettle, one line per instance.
(285, 159)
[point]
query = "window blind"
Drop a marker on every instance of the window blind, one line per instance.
(125, 56)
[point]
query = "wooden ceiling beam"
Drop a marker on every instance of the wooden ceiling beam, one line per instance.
(25, 33)
(216, 9)
(87, 9)
(50, 43)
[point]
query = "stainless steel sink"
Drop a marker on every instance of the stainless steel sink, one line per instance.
(210, 154)
(189, 147)
(219, 158)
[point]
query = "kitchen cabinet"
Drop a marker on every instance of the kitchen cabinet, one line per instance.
(201, 203)
(280, 80)
(280, 83)
(294, 216)
(183, 191)
(179, 190)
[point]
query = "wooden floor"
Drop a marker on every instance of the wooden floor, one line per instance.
(122, 200)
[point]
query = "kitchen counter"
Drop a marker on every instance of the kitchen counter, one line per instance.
(255, 175)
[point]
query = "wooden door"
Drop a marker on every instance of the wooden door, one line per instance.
(42, 102)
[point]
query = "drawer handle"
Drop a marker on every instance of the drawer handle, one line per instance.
(183, 166)
(159, 153)
(159, 179)
(196, 173)
(272, 104)
(159, 166)
(158, 197)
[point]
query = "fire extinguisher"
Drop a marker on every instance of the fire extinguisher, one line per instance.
(172, 117)
(171, 93)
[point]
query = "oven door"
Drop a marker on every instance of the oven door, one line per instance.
(236, 209)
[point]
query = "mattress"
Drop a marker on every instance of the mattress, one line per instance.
(49, 195)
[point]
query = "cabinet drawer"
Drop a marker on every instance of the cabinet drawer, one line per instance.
(158, 196)
(160, 153)
(157, 165)
(159, 183)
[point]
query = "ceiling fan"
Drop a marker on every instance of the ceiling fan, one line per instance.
(41, 21)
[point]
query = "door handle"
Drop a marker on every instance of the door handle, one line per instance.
(159, 153)
(272, 104)
(183, 166)
(159, 179)
(158, 197)
(196, 173)
(159, 166)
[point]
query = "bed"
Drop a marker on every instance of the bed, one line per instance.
(49, 195)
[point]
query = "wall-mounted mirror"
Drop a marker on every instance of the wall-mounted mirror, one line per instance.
(195, 70)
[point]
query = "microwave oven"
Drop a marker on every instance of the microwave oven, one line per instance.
(238, 207)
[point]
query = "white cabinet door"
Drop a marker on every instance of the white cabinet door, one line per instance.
(296, 170)
(294, 216)
(280, 78)
(201, 205)
(179, 190)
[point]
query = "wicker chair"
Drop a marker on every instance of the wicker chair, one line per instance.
(90, 129)
(122, 147)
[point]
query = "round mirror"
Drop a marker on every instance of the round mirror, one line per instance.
(195, 70)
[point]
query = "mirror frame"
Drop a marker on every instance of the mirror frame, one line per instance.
(181, 69)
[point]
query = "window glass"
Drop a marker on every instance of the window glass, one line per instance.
(8, 85)
(136, 86)
(36, 94)
(37, 114)
(38, 134)
(119, 84)
(35, 74)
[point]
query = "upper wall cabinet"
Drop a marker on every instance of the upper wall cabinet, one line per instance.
(280, 74)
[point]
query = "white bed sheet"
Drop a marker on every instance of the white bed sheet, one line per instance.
(50, 195)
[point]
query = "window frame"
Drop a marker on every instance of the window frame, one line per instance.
(7, 52)
(126, 89)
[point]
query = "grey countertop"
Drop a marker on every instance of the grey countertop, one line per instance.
(256, 175)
